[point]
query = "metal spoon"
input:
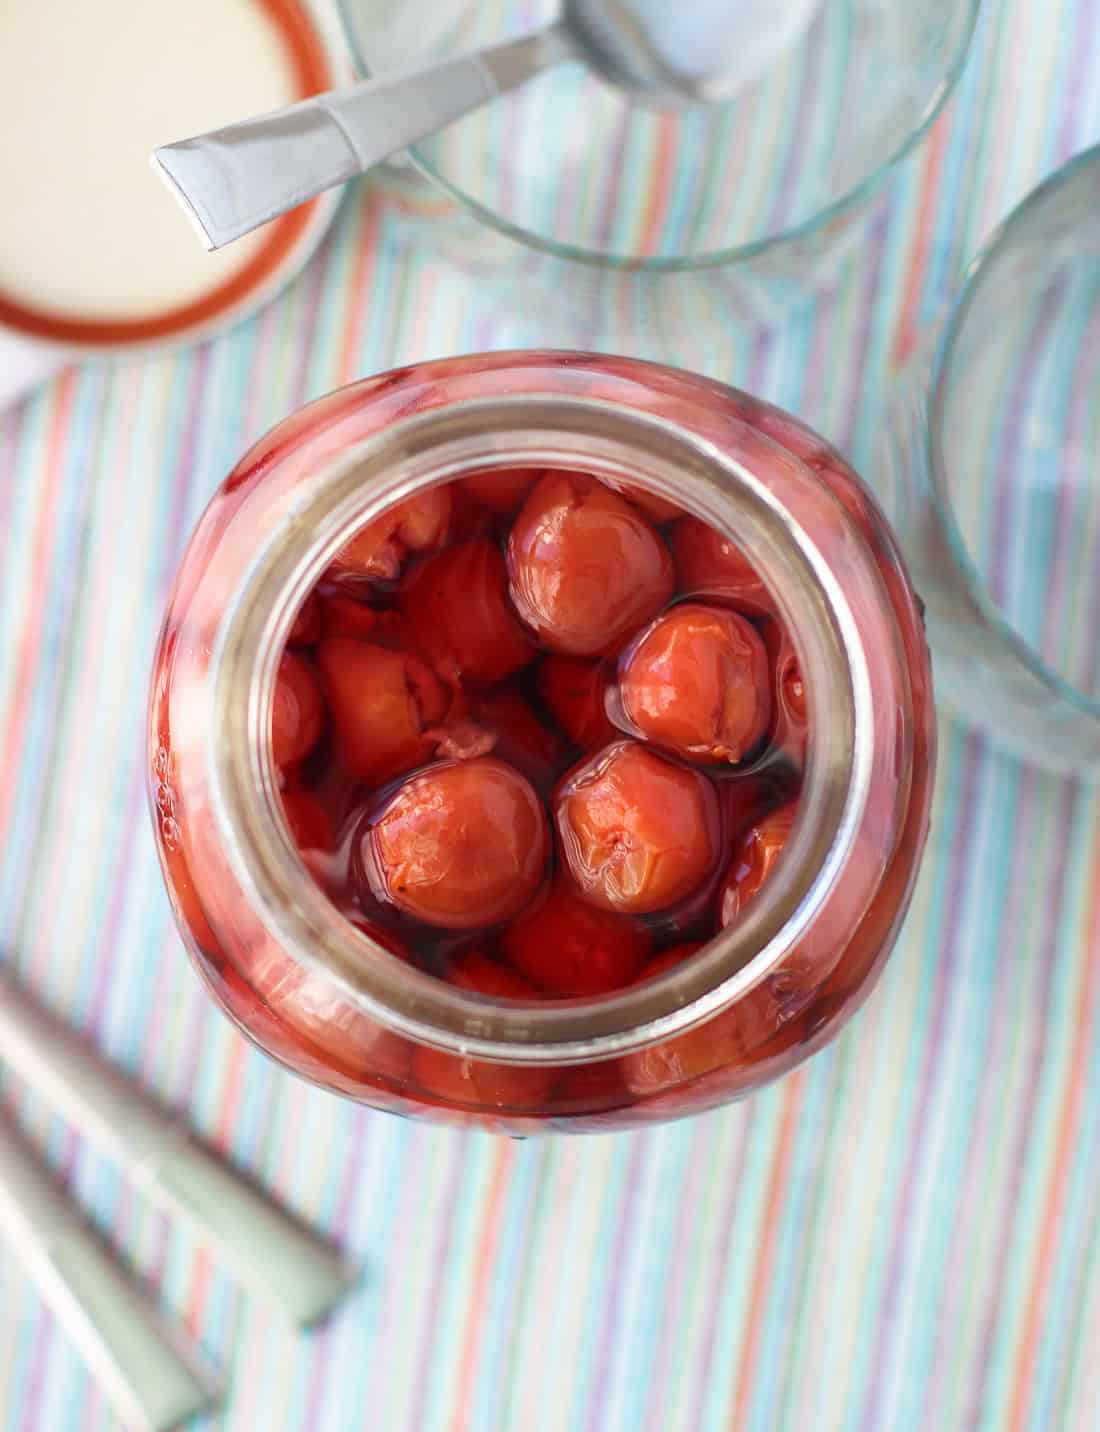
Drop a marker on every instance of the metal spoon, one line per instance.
(232, 180)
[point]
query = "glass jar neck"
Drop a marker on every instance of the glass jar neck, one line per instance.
(564, 431)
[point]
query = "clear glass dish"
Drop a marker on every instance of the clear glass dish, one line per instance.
(618, 215)
(989, 471)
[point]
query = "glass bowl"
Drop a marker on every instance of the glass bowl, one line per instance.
(628, 206)
(989, 469)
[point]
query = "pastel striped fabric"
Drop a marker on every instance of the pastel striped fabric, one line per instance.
(904, 1236)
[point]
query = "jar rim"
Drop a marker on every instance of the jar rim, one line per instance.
(549, 429)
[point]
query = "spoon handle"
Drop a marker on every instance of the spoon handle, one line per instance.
(272, 1253)
(232, 180)
(142, 1362)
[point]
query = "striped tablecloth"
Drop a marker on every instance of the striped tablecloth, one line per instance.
(901, 1237)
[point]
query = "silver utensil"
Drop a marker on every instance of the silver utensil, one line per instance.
(278, 1258)
(144, 1366)
(234, 179)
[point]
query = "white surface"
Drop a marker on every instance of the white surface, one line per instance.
(24, 364)
(86, 92)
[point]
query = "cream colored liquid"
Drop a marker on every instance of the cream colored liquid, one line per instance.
(88, 88)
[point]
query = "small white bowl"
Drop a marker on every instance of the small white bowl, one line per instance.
(47, 339)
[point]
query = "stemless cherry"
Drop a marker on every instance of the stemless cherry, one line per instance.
(669, 959)
(461, 845)
(502, 491)
(574, 691)
(382, 702)
(469, 517)
(456, 608)
(185, 900)
(737, 1035)
(658, 509)
(520, 737)
(307, 627)
(716, 1047)
(755, 855)
(569, 947)
(347, 616)
(381, 936)
(472, 1081)
(379, 549)
(747, 799)
(586, 569)
(477, 971)
(315, 1016)
(297, 712)
(501, 723)
(789, 684)
(710, 565)
(638, 832)
(696, 682)
(307, 819)
(790, 724)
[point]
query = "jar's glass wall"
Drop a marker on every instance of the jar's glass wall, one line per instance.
(293, 1006)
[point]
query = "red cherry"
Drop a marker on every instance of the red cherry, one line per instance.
(717, 1045)
(307, 819)
(379, 550)
(461, 845)
(380, 935)
(473, 1081)
(755, 1028)
(297, 712)
(788, 673)
(658, 509)
(469, 517)
(456, 609)
(347, 616)
(748, 799)
(586, 568)
(501, 491)
(573, 690)
(638, 832)
(710, 565)
(790, 722)
(324, 1026)
(186, 905)
(696, 681)
(755, 856)
(568, 947)
(670, 959)
(382, 702)
(468, 1081)
(475, 970)
(307, 624)
(502, 723)
(523, 739)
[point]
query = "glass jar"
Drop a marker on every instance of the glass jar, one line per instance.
(320, 995)
(987, 468)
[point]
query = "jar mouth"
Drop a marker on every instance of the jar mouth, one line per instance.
(544, 430)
